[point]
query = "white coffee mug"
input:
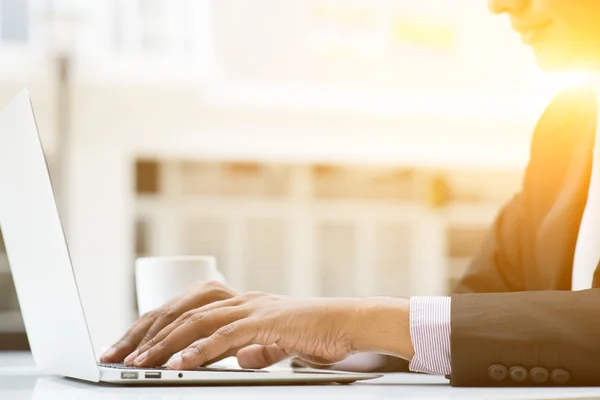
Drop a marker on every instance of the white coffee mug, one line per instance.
(160, 279)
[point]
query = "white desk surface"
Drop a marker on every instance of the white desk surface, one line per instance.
(19, 380)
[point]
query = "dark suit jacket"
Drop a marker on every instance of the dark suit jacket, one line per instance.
(514, 319)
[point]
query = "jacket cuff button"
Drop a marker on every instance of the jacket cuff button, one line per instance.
(518, 373)
(497, 372)
(539, 374)
(560, 376)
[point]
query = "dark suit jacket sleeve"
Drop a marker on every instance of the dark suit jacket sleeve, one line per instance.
(545, 337)
(553, 332)
(497, 265)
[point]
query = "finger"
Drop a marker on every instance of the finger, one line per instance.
(206, 293)
(166, 315)
(199, 325)
(129, 341)
(156, 327)
(167, 330)
(230, 353)
(258, 356)
(152, 331)
(316, 361)
(236, 334)
(301, 362)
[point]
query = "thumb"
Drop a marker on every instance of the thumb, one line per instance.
(259, 356)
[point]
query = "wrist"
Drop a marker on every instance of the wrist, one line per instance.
(382, 325)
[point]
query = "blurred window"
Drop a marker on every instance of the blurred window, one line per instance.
(153, 25)
(14, 21)
(158, 26)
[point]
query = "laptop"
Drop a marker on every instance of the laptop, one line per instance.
(46, 286)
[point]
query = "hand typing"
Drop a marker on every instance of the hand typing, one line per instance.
(149, 324)
(263, 329)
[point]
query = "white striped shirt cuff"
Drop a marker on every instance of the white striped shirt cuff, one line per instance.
(430, 335)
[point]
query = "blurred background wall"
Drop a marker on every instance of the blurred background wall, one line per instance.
(322, 147)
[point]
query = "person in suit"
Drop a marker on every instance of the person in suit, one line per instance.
(527, 312)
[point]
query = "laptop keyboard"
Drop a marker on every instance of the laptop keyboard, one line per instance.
(206, 369)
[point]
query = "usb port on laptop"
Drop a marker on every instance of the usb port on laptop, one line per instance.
(152, 375)
(129, 375)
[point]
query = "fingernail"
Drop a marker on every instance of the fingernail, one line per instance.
(175, 363)
(129, 359)
(141, 358)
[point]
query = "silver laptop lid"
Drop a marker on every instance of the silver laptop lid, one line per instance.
(37, 250)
